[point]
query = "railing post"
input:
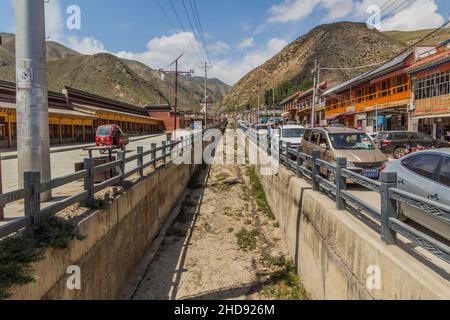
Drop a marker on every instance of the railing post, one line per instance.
(140, 160)
(32, 186)
(153, 154)
(89, 181)
(299, 161)
(269, 144)
(315, 170)
(121, 167)
(288, 157)
(341, 182)
(257, 140)
(164, 152)
(182, 142)
(388, 206)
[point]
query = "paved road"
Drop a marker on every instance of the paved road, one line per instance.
(63, 163)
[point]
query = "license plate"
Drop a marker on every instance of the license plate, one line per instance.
(371, 174)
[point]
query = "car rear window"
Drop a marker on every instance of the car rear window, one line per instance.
(400, 136)
(426, 165)
(444, 176)
(381, 136)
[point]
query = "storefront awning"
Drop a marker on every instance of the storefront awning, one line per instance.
(334, 116)
(432, 116)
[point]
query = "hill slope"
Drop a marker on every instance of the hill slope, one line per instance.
(54, 50)
(125, 80)
(189, 92)
(411, 37)
(341, 44)
(101, 74)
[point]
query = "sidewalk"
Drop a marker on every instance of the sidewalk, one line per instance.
(9, 154)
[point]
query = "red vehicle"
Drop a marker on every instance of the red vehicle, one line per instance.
(111, 136)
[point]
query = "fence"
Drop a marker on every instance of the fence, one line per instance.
(309, 166)
(31, 193)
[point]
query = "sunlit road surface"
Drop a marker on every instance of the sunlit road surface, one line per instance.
(63, 164)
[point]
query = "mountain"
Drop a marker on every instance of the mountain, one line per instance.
(411, 37)
(337, 45)
(55, 50)
(190, 93)
(101, 74)
(106, 75)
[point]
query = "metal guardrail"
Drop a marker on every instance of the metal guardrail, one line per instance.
(33, 187)
(309, 166)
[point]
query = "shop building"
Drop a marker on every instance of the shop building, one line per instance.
(377, 100)
(431, 82)
(298, 107)
(74, 116)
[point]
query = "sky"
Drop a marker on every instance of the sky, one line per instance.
(233, 36)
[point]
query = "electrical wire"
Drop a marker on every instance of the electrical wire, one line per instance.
(180, 39)
(177, 16)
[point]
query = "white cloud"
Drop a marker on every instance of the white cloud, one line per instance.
(423, 14)
(86, 45)
(230, 71)
(291, 10)
(162, 50)
(337, 9)
(219, 48)
(246, 43)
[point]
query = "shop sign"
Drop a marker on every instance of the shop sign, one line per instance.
(361, 116)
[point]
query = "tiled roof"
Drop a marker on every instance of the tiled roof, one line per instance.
(387, 67)
(430, 61)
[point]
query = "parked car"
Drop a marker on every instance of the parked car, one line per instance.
(426, 174)
(393, 143)
(292, 134)
(111, 136)
(362, 155)
(261, 128)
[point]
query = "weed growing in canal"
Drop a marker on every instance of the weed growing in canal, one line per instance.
(17, 253)
(246, 240)
(101, 203)
(284, 283)
(258, 193)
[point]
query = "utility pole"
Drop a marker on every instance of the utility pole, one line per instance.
(273, 102)
(259, 106)
(206, 68)
(163, 72)
(316, 79)
(33, 142)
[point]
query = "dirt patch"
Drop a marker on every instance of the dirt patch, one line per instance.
(223, 245)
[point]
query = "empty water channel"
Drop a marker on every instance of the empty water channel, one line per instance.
(221, 242)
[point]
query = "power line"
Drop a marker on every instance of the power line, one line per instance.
(358, 67)
(192, 27)
(180, 39)
(182, 26)
(202, 34)
(394, 13)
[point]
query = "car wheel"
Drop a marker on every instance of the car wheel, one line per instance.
(399, 153)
